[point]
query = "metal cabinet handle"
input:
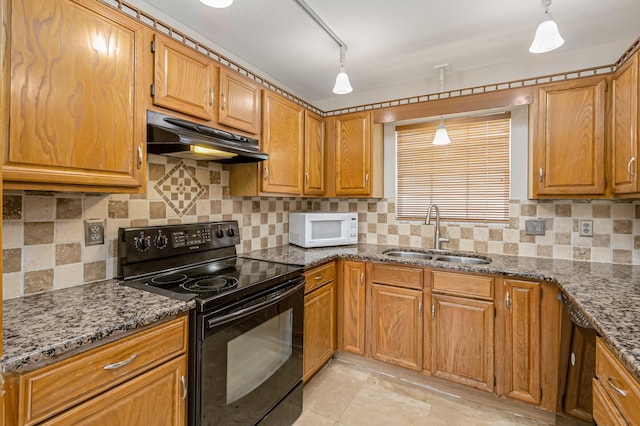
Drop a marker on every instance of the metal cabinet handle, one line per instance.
(116, 365)
(139, 165)
(433, 311)
(306, 177)
(420, 310)
(184, 389)
(633, 160)
(211, 97)
(224, 101)
(540, 173)
(366, 179)
(614, 387)
(266, 173)
(362, 278)
(507, 301)
(318, 277)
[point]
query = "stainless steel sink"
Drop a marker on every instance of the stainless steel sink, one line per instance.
(409, 254)
(438, 257)
(462, 259)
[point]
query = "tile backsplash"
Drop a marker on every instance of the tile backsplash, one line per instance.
(43, 233)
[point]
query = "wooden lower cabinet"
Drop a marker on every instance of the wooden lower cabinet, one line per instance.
(462, 340)
(522, 340)
(138, 379)
(578, 397)
(157, 397)
(395, 331)
(351, 308)
(319, 319)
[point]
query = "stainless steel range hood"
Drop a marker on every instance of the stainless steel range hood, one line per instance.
(180, 138)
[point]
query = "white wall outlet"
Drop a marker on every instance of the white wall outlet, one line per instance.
(93, 232)
(586, 228)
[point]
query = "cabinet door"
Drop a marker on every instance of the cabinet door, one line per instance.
(319, 328)
(157, 397)
(283, 140)
(624, 128)
(396, 325)
(239, 105)
(352, 308)
(76, 121)
(522, 340)
(184, 80)
(462, 341)
(569, 134)
(314, 153)
(353, 154)
(578, 396)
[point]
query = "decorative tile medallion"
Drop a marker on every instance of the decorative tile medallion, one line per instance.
(180, 189)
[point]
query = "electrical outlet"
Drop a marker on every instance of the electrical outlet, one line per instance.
(93, 232)
(534, 227)
(586, 228)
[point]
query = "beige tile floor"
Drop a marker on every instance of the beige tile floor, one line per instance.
(345, 394)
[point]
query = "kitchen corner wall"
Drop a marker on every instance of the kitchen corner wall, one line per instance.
(43, 233)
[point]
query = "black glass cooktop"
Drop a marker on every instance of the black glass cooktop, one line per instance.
(215, 283)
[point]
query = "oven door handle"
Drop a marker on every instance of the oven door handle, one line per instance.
(213, 322)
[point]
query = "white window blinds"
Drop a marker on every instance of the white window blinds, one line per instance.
(468, 179)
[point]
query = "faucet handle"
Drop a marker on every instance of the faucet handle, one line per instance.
(445, 239)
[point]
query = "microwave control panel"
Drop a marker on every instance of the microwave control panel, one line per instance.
(354, 229)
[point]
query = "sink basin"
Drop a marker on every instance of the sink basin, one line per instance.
(409, 254)
(462, 259)
(437, 257)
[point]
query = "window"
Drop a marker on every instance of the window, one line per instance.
(468, 179)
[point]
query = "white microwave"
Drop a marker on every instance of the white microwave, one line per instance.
(322, 229)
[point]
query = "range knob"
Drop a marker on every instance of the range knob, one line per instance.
(142, 243)
(219, 233)
(231, 232)
(161, 241)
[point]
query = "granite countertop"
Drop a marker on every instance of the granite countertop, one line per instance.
(45, 325)
(607, 294)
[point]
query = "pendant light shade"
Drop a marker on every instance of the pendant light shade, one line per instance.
(547, 36)
(442, 137)
(219, 4)
(342, 86)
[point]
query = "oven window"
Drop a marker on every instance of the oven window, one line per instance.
(325, 229)
(256, 355)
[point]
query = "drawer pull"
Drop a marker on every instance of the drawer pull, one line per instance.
(318, 277)
(184, 389)
(116, 365)
(614, 387)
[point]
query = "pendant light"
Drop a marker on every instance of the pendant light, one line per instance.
(442, 137)
(342, 86)
(219, 4)
(547, 36)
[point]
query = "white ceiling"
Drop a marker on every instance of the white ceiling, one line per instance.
(394, 45)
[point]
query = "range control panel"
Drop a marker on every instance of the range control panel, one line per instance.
(155, 242)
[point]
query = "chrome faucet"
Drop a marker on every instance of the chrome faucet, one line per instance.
(436, 238)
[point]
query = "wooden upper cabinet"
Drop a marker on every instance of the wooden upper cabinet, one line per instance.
(522, 340)
(624, 128)
(184, 80)
(351, 307)
(353, 154)
(74, 108)
(283, 140)
(314, 154)
(239, 103)
(568, 127)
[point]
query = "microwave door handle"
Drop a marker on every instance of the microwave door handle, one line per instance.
(252, 309)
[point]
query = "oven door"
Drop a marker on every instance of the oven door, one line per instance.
(249, 357)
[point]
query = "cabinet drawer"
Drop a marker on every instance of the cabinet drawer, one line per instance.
(319, 276)
(396, 275)
(462, 284)
(58, 386)
(604, 413)
(618, 383)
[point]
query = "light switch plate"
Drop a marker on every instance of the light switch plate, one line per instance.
(586, 228)
(93, 232)
(534, 227)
